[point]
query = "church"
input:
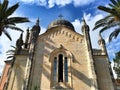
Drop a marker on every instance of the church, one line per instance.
(59, 59)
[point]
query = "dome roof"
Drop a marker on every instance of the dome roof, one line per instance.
(61, 22)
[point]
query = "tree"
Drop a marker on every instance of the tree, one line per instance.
(11, 53)
(36, 88)
(117, 64)
(111, 20)
(9, 22)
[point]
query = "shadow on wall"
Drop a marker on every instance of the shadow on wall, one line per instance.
(18, 76)
(47, 46)
(80, 76)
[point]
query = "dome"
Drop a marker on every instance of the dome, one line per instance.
(61, 22)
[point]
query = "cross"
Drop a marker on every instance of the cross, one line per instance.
(60, 16)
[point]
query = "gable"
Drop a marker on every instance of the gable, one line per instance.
(62, 31)
(55, 37)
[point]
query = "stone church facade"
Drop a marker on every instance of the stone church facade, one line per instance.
(59, 59)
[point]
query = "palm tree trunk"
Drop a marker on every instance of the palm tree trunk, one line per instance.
(116, 18)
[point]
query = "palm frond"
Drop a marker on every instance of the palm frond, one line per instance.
(114, 34)
(7, 34)
(13, 46)
(104, 19)
(0, 8)
(3, 8)
(102, 22)
(11, 10)
(111, 20)
(114, 2)
(9, 54)
(7, 22)
(18, 19)
(106, 27)
(4, 5)
(113, 6)
(10, 51)
(108, 10)
(118, 2)
(98, 26)
(14, 28)
(10, 57)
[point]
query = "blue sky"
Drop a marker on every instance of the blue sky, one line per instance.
(49, 10)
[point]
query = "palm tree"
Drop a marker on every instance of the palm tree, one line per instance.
(117, 64)
(111, 20)
(11, 53)
(9, 22)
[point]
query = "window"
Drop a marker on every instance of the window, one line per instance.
(61, 76)
(60, 69)
(55, 68)
(66, 69)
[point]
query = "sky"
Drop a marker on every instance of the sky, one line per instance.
(49, 10)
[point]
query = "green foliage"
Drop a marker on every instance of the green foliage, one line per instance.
(113, 9)
(36, 88)
(111, 20)
(9, 22)
(117, 64)
(11, 53)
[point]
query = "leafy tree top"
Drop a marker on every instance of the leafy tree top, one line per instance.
(9, 22)
(117, 64)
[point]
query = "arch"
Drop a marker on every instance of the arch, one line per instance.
(61, 59)
(63, 51)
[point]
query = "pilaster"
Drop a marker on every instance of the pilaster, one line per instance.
(92, 74)
(33, 38)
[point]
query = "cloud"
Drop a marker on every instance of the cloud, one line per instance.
(28, 1)
(76, 3)
(38, 2)
(90, 20)
(82, 2)
(77, 25)
(52, 3)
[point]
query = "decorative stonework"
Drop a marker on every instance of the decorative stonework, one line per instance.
(63, 50)
(71, 50)
(67, 33)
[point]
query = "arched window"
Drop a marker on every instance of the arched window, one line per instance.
(61, 76)
(66, 69)
(60, 66)
(55, 69)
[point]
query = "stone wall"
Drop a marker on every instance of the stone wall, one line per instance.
(17, 75)
(103, 73)
(42, 67)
